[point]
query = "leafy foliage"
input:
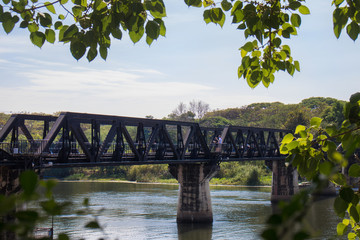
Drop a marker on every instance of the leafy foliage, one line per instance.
(89, 27)
(319, 153)
(22, 222)
(266, 24)
(91, 23)
(279, 115)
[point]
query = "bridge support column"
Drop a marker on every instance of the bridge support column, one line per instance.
(9, 184)
(9, 180)
(194, 205)
(284, 181)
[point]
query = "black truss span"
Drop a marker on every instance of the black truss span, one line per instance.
(79, 139)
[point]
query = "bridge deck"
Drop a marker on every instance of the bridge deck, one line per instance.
(78, 139)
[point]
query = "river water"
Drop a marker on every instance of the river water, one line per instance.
(148, 211)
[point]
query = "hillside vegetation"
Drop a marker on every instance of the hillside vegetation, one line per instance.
(267, 115)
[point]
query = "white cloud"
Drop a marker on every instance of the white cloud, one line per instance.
(108, 83)
(98, 91)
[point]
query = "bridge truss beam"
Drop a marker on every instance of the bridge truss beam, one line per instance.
(79, 139)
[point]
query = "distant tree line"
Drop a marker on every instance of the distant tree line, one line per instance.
(270, 115)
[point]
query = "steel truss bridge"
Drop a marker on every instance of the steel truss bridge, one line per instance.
(79, 139)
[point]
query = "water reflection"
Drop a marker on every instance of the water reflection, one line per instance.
(148, 211)
(194, 231)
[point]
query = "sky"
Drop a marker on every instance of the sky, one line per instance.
(195, 61)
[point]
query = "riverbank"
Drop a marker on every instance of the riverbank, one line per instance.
(159, 183)
(234, 173)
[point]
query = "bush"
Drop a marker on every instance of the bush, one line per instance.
(249, 173)
(148, 173)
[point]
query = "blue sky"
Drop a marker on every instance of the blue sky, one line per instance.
(194, 62)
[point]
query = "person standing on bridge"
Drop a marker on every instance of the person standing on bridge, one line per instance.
(219, 140)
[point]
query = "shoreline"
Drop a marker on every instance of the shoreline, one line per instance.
(160, 183)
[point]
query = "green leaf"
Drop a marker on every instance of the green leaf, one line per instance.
(340, 206)
(338, 179)
(77, 11)
(50, 35)
(351, 236)
(341, 229)
(338, 2)
(116, 33)
(33, 27)
(24, 24)
(347, 194)
(37, 38)
(354, 98)
(294, 5)
(28, 182)
(194, 3)
(357, 16)
(226, 5)
(50, 7)
(207, 17)
(339, 20)
(353, 30)
(292, 145)
(354, 170)
(248, 47)
(297, 65)
(58, 25)
(287, 138)
(295, 20)
(217, 16)
(338, 158)
(162, 26)
(152, 29)
(354, 213)
(99, 5)
(92, 53)
(45, 19)
(315, 122)
(103, 52)
(135, 36)
(290, 68)
(149, 40)
(304, 10)
(326, 168)
(77, 49)
(8, 26)
(70, 31)
(157, 9)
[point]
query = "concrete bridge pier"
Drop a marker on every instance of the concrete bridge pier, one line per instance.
(284, 181)
(194, 205)
(9, 180)
(9, 184)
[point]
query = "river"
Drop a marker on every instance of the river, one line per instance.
(148, 211)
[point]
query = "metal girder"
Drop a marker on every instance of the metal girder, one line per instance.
(140, 141)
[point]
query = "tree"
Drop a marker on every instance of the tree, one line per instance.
(216, 121)
(200, 108)
(317, 155)
(197, 109)
(297, 117)
(180, 109)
